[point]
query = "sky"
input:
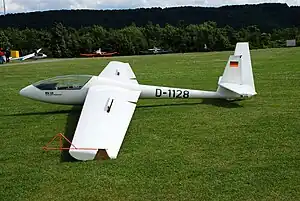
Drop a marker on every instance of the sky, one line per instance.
(16, 6)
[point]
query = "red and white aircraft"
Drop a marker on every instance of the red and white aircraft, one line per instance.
(99, 53)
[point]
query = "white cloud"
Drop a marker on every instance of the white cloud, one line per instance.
(13, 6)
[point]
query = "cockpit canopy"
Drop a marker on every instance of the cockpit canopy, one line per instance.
(67, 82)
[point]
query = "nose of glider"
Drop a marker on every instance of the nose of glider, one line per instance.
(27, 91)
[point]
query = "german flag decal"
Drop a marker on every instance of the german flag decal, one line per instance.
(234, 64)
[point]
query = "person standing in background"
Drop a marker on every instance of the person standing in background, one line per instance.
(7, 55)
(2, 56)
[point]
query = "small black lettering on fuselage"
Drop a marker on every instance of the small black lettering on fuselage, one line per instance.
(51, 93)
(172, 93)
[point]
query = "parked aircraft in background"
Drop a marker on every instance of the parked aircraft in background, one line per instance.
(99, 53)
(109, 100)
(156, 50)
(35, 55)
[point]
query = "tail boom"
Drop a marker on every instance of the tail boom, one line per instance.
(149, 92)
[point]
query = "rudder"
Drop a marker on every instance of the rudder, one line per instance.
(238, 75)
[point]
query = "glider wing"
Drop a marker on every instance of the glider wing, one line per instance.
(119, 71)
(28, 56)
(103, 122)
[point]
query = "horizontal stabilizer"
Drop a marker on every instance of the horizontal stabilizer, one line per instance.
(239, 89)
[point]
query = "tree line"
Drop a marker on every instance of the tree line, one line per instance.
(267, 17)
(62, 41)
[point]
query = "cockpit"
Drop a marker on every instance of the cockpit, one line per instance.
(67, 82)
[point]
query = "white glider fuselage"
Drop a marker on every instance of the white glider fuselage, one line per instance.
(77, 97)
(236, 83)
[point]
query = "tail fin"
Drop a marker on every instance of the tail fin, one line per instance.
(238, 76)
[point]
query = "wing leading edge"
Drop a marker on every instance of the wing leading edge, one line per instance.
(103, 122)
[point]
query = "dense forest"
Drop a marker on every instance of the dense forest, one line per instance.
(70, 38)
(62, 41)
(266, 16)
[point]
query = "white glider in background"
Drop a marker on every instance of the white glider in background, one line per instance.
(109, 100)
(35, 55)
(155, 49)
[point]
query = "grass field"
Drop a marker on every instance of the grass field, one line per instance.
(174, 149)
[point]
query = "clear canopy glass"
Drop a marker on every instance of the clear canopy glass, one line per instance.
(67, 82)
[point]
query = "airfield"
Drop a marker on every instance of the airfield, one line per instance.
(173, 149)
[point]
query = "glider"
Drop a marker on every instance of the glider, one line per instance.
(109, 100)
(35, 55)
(156, 50)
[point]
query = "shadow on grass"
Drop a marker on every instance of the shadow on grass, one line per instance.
(221, 103)
(70, 128)
(41, 113)
(213, 102)
(77, 109)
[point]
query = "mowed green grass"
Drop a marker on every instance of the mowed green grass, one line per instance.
(173, 149)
